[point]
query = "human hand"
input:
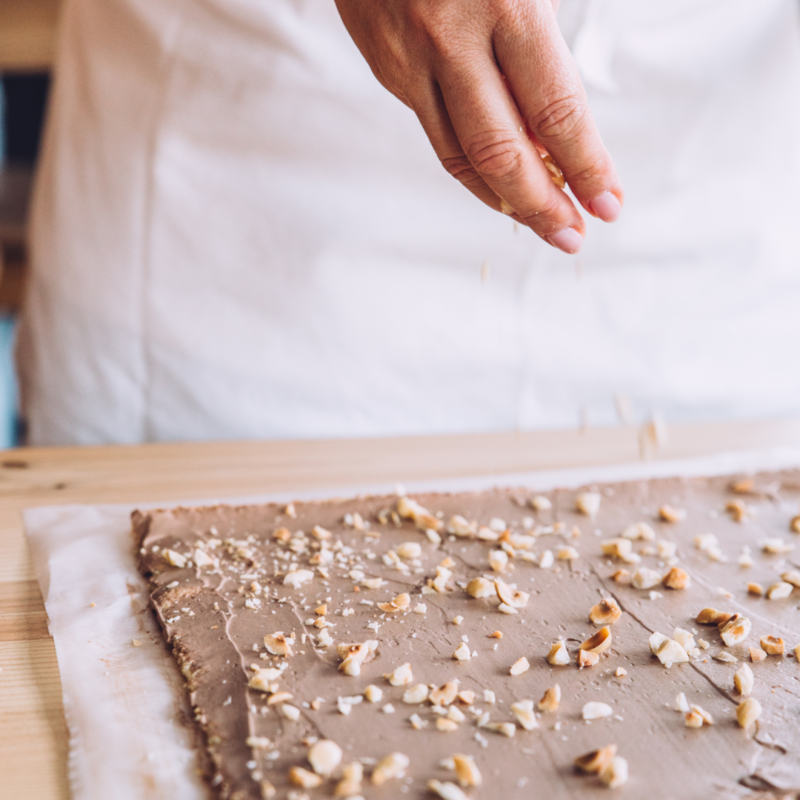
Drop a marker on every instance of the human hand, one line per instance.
(495, 88)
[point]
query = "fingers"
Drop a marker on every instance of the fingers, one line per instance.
(547, 89)
(492, 135)
(430, 109)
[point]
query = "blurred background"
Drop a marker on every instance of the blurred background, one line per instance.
(27, 45)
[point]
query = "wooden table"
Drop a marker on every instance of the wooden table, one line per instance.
(33, 736)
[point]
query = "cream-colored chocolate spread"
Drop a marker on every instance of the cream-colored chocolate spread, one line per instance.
(480, 588)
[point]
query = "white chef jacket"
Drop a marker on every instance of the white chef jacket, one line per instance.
(237, 232)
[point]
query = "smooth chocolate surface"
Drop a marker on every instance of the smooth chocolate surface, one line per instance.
(215, 617)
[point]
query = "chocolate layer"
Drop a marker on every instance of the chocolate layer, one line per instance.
(216, 615)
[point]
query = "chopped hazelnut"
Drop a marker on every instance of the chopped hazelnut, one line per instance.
(324, 756)
(523, 711)
(606, 612)
(598, 643)
(755, 588)
(520, 666)
(466, 770)
(596, 760)
(772, 645)
(743, 680)
(587, 659)
(588, 503)
(748, 711)
(779, 591)
(615, 773)
(669, 514)
(757, 654)
(558, 655)
(462, 652)
(550, 699)
(710, 616)
(391, 766)
(304, 778)
(676, 578)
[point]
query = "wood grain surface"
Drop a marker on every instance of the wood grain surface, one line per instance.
(33, 735)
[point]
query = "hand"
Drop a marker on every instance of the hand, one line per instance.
(495, 88)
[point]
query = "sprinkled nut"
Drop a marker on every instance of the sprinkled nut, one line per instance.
(520, 666)
(606, 612)
(550, 699)
(596, 710)
(598, 643)
(297, 577)
(738, 510)
(446, 725)
(725, 657)
(462, 652)
(621, 672)
(684, 639)
(743, 486)
(467, 697)
(546, 560)
(445, 789)
(772, 645)
(466, 770)
(588, 503)
(617, 548)
(669, 652)
(498, 560)
(793, 577)
(277, 644)
(596, 761)
(558, 655)
(693, 720)
(615, 773)
(540, 503)
(704, 715)
(587, 659)
(735, 630)
(282, 535)
(748, 711)
(416, 694)
(507, 729)
(776, 546)
(523, 711)
(794, 525)
(621, 576)
(676, 578)
(710, 616)
(350, 784)
(743, 680)
(639, 531)
(797, 652)
(409, 550)
(324, 756)
(391, 766)
(757, 654)
(445, 694)
(423, 519)
(755, 589)
(496, 635)
(480, 587)
(174, 558)
(779, 591)
(510, 597)
(645, 578)
(374, 694)
(668, 513)
(567, 554)
(304, 778)
(401, 676)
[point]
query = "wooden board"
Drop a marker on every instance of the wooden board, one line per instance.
(33, 736)
(28, 34)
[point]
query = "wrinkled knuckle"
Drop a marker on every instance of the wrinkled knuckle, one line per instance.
(461, 169)
(495, 156)
(548, 217)
(560, 119)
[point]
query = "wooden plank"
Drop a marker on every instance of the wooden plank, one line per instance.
(33, 738)
(28, 34)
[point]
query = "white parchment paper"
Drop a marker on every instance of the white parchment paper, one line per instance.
(125, 705)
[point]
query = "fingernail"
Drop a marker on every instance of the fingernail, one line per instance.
(568, 240)
(606, 206)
